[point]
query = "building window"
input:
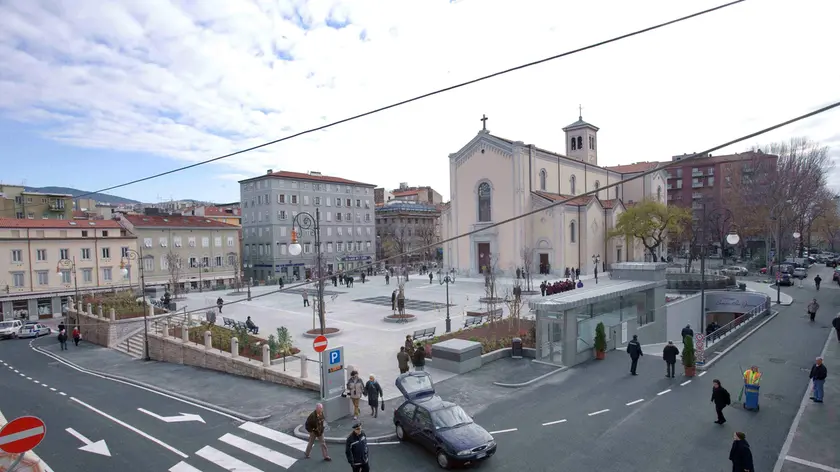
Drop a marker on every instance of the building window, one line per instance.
(294, 199)
(597, 185)
(106, 253)
(281, 199)
(574, 144)
(580, 142)
(205, 261)
(17, 279)
(193, 262)
(317, 201)
(149, 263)
(484, 202)
(43, 277)
(41, 255)
(86, 254)
(84, 233)
(64, 254)
(87, 276)
(104, 234)
(307, 248)
(218, 261)
(17, 255)
(106, 274)
(573, 184)
(572, 232)
(543, 176)
(659, 194)
(358, 203)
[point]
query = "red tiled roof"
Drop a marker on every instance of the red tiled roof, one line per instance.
(217, 211)
(56, 224)
(175, 221)
(79, 214)
(583, 200)
(405, 193)
(303, 176)
(633, 168)
(609, 204)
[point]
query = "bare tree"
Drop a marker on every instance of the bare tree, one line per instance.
(428, 236)
(515, 303)
(174, 266)
(491, 299)
(396, 241)
(827, 226)
(233, 261)
(527, 254)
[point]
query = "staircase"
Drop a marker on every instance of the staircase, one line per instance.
(135, 344)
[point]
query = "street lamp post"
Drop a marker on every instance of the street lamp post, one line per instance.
(305, 221)
(133, 255)
(595, 261)
(796, 235)
(71, 265)
(446, 281)
(732, 238)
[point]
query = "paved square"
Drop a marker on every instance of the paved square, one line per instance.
(312, 292)
(415, 305)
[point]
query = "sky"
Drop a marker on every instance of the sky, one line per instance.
(97, 93)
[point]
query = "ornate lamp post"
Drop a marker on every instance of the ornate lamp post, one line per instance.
(595, 261)
(305, 221)
(732, 238)
(69, 264)
(133, 255)
(446, 280)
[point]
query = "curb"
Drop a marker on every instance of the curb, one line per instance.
(302, 434)
(307, 335)
(119, 378)
(737, 342)
(525, 384)
(400, 320)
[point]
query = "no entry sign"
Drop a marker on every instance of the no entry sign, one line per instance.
(22, 434)
(320, 343)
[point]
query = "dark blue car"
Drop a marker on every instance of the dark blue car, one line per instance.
(442, 427)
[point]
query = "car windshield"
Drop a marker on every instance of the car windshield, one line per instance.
(450, 417)
(6, 324)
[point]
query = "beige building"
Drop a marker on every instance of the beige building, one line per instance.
(46, 261)
(493, 179)
(206, 250)
(403, 226)
(16, 202)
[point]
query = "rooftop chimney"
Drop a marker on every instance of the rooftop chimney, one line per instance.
(312, 172)
(269, 171)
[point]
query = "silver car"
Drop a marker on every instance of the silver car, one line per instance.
(800, 273)
(736, 270)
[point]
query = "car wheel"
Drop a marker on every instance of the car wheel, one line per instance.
(400, 433)
(442, 460)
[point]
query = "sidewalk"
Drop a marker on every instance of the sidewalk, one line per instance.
(769, 290)
(812, 441)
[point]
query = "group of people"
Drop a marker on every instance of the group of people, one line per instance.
(62, 336)
(411, 354)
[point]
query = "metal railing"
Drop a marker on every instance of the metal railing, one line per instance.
(735, 324)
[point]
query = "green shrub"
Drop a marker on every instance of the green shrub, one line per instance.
(688, 355)
(600, 338)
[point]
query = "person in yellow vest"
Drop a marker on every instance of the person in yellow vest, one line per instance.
(752, 376)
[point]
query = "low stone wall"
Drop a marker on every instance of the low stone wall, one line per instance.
(528, 352)
(177, 351)
(104, 329)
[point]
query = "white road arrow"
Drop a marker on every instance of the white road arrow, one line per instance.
(183, 417)
(98, 447)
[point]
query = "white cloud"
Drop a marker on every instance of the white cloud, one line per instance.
(192, 80)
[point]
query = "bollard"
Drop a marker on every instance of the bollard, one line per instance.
(165, 327)
(234, 347)
(266, 355)
(99, 311)
(81, 308)
(90, 309)
(303, 373)
(185, 333)
(208, 340)
(112, 314)
(151, 310)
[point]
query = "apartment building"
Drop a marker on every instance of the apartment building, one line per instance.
(410, 194)
(270, 204)
(17, 202)
(194, 252)
(230, 214)
(43, 262)
(402, 226)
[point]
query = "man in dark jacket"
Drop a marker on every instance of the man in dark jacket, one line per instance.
(740, 454)
(721, 399)
(356, 449)
(635, 351)
(402, 360)
(315, 427)
(817, 376)
(836, 323)
(419, 357)
(687, 331)
(670, 354)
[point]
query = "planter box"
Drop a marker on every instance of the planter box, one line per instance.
(457, 355)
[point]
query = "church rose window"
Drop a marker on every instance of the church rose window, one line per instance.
(484, 202)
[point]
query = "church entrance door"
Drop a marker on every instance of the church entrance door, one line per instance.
(543, 263)
(483, 250)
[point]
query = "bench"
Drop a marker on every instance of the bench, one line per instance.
(228, 321)
(422, 334)
(241, 325)
(474, 321)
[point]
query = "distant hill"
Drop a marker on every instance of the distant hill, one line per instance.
(99, 197)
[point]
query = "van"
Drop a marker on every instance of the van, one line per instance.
(10, 329)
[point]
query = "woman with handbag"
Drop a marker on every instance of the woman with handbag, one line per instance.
(374, 392)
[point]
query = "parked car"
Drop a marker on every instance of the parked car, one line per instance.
(10, 329)
(762, 271)
(785, 279)
(835, 276)
(34, 329)
(800, 273)
(831, 263)
(735, 270)
(441, 427)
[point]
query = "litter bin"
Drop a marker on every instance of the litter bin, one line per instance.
(516, 348)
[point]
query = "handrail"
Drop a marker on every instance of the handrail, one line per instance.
(728, 327)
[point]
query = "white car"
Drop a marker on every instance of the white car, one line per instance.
(800, 273)
(10, 329)
(735, 270)
(34, 330)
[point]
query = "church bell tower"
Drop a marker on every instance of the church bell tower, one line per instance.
(582, 141)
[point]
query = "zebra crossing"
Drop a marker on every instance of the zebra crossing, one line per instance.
(234, 450)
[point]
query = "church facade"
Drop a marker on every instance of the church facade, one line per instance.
(493, 179)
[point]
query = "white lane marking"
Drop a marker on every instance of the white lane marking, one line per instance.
(36, 381)
(553, 422)
(22, 375)
(384, 443)
(599, 412)
(62, 393)
(702, 373)
(811, 464)
(225, 461)
(277, 436)
(663, 392)
(180, 418)
(99, 447)
(685, 383)
(130, 428)
(29, 378)
(78, 369)
(635, 401)
(27, 433)
(17, 371)
(53, 389)
(258, 450)
(45, 385)
(183, 467)
(504, 431)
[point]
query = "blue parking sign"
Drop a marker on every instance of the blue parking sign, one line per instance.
(335, 357)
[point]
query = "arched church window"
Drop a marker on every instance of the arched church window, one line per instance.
(592, 142)
(572, 232)
(659, 194)
(573, 184)
(574, 143)
(580, 142)
(484, 202)
(543, 176)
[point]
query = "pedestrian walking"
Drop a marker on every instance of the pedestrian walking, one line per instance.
(419, 358)
(812, 309)
(387, 278)
(542, 288)
(740, 454)
(355, 389)
(305, 296)
(220, 303)
(402, 360)
(62, 339)
(315, 427)
(817, 376)
(394, 300)
(836, 323)
(356, 449)
(670, 354)
(721, 399)
(817, 281)
(373, 392)
(635, 351)
(77, 335)
(687, 331)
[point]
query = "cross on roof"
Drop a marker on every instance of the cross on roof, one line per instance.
(580, 112)
(484, 121)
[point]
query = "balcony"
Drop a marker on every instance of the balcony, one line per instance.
(696, 195)
(696, 206)
(697, 185)
(57, 205)
(697, 173)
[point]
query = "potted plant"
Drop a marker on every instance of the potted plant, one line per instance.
(688, 357)
(600, 341)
